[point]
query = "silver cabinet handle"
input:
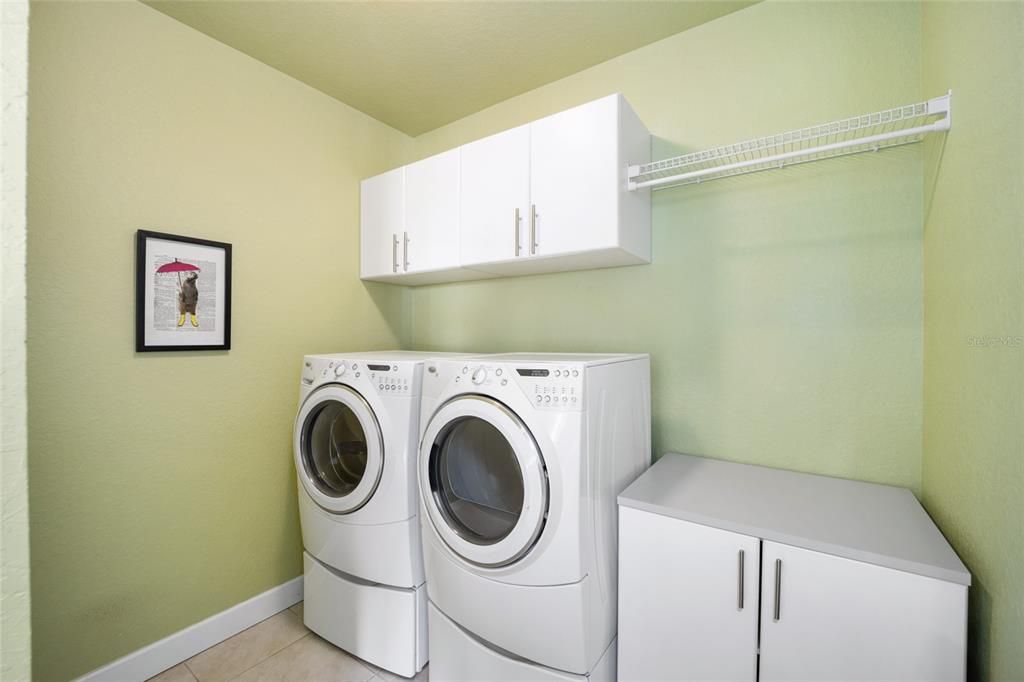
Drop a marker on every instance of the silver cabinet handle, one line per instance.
(405, 250)
(515, 227)
(533, 229)
(778, 588)
(739, 587)
(394, 252)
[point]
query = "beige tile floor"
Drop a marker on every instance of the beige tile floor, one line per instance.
(280, 649)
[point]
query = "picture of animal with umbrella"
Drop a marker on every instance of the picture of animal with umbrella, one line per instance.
(188, 292)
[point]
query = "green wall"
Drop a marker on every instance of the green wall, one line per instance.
(973, 464)
(161, 485)
(783, 311)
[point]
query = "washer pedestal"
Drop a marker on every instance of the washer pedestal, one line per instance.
(386, 626)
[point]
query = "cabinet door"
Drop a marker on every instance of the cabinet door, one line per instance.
(495, 189)
(687, 600)
(574, 174)
(838, 619)
(381, 223)
(431, 237)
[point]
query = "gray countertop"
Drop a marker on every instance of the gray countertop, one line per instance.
(877, 524)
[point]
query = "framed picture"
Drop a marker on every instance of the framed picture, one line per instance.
(182, 293)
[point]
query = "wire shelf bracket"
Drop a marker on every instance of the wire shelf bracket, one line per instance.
(868, 133)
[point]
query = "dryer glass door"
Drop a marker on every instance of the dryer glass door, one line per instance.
(338, 448)
(483, 481)
(479, 486)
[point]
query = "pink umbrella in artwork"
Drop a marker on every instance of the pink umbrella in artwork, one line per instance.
(178, 267)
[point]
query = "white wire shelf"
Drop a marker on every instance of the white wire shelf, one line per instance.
(868, 133)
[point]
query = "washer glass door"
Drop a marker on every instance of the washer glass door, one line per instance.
(338, 448)
(485, 485)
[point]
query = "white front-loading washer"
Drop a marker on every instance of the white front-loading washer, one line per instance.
(355, 451)
(521, 458)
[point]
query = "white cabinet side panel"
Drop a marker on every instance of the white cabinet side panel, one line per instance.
(634, 207)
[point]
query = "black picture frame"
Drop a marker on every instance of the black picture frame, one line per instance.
(142, 275)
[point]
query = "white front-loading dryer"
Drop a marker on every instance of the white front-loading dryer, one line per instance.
(521, 458)
(355, 448)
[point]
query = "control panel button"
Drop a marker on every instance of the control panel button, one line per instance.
(539, 399)
(547, 399)
(575, 373)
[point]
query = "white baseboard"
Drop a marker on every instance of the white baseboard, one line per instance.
(182, 645)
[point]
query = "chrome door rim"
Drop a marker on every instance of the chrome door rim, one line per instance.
(526, 532)
(367, 486)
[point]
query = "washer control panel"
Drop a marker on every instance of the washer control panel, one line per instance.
(387, 378)
(550, 387)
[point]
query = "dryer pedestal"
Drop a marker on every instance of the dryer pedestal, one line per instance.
(459, 656)
(386, 626)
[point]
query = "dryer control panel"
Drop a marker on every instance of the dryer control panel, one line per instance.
(393, 379)
(547, 386)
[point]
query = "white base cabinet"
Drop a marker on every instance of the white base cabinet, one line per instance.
(828, 618)
(688, 606)
(699, 601)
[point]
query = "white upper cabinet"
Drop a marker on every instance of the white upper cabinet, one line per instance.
(575, 179)
(381, 224)
(430, 240)
(544, 197)
(495, 196)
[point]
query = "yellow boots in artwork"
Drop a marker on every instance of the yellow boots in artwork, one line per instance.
(194, 319)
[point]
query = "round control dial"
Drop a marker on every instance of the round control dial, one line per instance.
(479, 375)
(340, 369)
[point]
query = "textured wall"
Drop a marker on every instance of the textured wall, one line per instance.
(161, 485)
(973, 464)
(15, 614)
(783, 311)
